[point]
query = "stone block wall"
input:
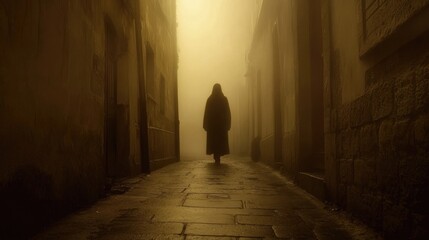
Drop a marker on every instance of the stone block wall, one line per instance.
(383, 145)
(381, 18)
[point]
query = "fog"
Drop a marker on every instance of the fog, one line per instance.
(213, 39)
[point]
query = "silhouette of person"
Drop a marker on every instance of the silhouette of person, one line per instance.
(217, 123)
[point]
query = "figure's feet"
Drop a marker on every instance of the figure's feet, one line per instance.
(217, 159)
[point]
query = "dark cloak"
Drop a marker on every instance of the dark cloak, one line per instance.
(217, 122)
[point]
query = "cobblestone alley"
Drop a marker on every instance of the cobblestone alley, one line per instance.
(103, 103)
(239, 199)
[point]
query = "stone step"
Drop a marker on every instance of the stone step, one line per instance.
(313, 182)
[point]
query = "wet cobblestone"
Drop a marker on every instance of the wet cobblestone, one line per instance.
(194, 200)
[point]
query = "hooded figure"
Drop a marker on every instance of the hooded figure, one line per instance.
(217, 122)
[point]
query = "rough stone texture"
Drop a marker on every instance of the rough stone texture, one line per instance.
(344, 117)
(365, 173)
(368, 140)
(349, 143)
(413, 190)
(382, 101)
(422, 89)
(380, 19)
(386, 134)
(403, 137)
(360, 111)
(149, 210)
(390, 181)
(387, 161)
(344, 144)
(331, 165)
(367, 205)
(404, 95)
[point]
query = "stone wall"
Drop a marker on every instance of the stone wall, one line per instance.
(382, 145)
(376, 106)
(380, 19)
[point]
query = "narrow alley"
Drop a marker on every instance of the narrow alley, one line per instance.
(238, 199)
(214, 119)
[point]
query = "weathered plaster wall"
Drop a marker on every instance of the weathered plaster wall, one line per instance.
(345, 30)
(51, 109)
(262, 62)
(289, 23)
(135, 156)
(277, 19)
(159, 32)
(289, 74)
(52, 106)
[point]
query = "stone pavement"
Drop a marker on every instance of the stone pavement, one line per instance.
(195, 200)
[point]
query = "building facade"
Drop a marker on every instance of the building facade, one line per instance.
(88, 93)
(339, 99)
(161, 74)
